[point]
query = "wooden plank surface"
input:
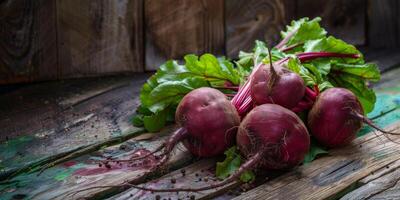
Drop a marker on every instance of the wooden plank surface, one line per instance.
(28, 46)
(45, 121)
(384, 23)
(178, 27)
(206, 168)
(327, 176)
(383, 180)
(99, 37)
(199, 174)
(62, 181)
(341, 18)
(247, 21)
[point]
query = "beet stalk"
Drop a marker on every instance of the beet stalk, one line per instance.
(243, 101)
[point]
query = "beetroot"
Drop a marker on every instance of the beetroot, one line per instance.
(277, 85)
(336, 117)
(208, 124)
(276, 131)
(270, 136)
(264, 89)
(331, 120)
(209, 120)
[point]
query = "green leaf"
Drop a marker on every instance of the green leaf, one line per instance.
(171, 92)
(212, 69)
(137, 120)
(155, 122)
(331, 44)
(322, 65)
(247, 176)
(368, 71)
(324, 85)
(354, 77)
(232, 163)
(315, 150)
(303, 30)
(259, 54)
(295, 66)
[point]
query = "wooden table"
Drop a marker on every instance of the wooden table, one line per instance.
(69, 125)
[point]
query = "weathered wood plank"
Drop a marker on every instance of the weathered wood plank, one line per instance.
(390, 60)
(99, 37)
(383, 23)
(62, 181)
(327, 176)
(389, 80)
(338, 16)
(385, 170)
(28, 47)
(383, 180)
(175, 28)
(247, 21)
(207, 168)
(199, 174)
(35, 127)
(389, 194)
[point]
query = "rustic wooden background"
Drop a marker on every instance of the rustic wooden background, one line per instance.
(58, 39)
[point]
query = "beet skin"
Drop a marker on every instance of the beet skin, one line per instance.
(210, 119)
(285, 88)
(277, 130)
(333, 119)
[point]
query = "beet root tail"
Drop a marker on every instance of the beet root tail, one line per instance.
(168, 146)
(250, 164)
(376, 127)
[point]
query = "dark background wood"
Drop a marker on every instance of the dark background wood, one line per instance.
(344, 19)
(177, 27)
(58, 39)
(28, 49)
(247, 21)
(99, 37)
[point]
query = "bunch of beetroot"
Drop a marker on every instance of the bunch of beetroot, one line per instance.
(257, 107)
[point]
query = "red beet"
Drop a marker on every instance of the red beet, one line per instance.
(278, 132)
(210, 121)
(208, 124)
(277, 85)
(243, 100)
(336, 117)
(331, 120)
(270, 136)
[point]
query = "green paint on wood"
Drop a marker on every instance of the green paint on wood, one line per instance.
(386, 112)
(10, 148)
(30, 184)
(14, 153)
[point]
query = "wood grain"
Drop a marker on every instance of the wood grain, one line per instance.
(383, 180)
(99, 37)
(178, 27)
(327, 176)
(65, 180)
(384, 23)
(389, 194)
(28, 49)
(47, 120)
(199, 174)
(341, 18)
(247, 21)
